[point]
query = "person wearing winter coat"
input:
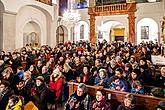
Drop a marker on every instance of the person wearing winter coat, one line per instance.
(14, 103)
(101, 103)
(79, 100)
(40, 94)
(128, 103)
(5, 93)
(102, 79)
(55, 83)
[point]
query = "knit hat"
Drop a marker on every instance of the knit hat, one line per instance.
(41, 78)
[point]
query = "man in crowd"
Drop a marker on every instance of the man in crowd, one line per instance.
(80, 100)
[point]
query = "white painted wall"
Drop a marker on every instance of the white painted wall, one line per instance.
(153, 30)
(86, 30)
(15, 5)
(23, 17)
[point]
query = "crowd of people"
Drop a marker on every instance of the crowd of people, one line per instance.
(41, 74)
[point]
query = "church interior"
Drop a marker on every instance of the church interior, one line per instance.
(54, 53)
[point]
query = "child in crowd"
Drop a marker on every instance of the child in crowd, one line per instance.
(137, 87)
(128, 103)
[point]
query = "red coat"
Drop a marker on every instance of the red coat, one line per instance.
(56, 86)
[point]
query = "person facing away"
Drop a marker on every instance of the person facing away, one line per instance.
(80, 100)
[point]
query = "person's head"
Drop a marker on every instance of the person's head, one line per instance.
(144, 49)
(61, 59)
(141, 68)
(39, 80)
(20, 85)
(128, 66)
(142, 61)
(97, 62)
(132, 59)
(102, 73)
(31, 68)
(27, 76)
(162, 71)
(135, 73)
(113, 63)
(1, 62)
(136, 84)
(81, 89)
(119, 72)
(14, 56)
(7, 73)
(129, 100)
(4, 85)
(118, 59)
(161, 105)
(85, 69)
(82, 58)
(39, 63)
(56, 73)
(13, 100)
(77, 60)
(100, 94)
(44, 69)
(116, 80)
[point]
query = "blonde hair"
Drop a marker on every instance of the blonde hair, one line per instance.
(8, 70)
(66, 67)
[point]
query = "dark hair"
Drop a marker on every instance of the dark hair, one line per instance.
(14, 99)
(137, 71)
(120, 70)
(130, 97)
(102, 91)
(5, 83)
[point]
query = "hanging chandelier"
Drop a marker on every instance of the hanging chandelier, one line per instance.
(71, 15)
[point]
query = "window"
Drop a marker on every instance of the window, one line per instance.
(82, 32)
(144, 32)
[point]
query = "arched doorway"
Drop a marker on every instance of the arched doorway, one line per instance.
(31, 34)
(61, 34)
(147, 30)
(1, 25)
(111, 31)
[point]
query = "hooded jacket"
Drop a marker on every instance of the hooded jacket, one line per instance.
(17, 106)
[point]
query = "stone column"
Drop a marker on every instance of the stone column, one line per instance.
(131, 24)
(92, 30)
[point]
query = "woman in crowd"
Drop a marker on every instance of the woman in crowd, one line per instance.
(101, 103)
(137, 87)
(102, 79)
(55, 83)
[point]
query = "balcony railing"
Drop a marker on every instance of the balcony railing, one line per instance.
(113, 8)
(48, 2)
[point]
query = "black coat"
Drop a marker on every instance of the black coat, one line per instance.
(40, 98)
(121, 107)
(4, 97)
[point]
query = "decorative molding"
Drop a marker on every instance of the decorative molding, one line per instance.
(113, 9)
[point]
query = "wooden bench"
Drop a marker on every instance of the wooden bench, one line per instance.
(143, 102)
